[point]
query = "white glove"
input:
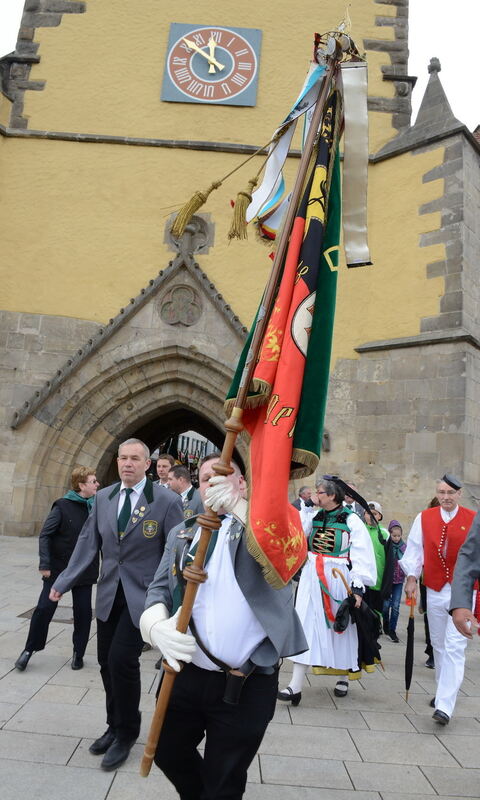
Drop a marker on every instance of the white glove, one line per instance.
(160, 630)
(221, 494)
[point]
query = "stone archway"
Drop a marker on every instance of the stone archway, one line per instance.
(122, 400)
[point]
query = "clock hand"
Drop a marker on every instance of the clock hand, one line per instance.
(212, 61)
(211, 46)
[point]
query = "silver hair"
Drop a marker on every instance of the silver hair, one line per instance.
(135, 441)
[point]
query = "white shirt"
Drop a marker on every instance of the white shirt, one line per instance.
(224, 620)
(185, 493)
(412, 559)
(134, 496)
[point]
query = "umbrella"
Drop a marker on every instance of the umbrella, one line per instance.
(409, 651)
(367, 622)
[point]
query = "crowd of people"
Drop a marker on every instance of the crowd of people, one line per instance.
(144, 534)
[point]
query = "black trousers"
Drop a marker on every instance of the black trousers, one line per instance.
(233, 733)
(119, 645)
(42, 617)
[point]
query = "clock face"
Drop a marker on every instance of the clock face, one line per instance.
(212, 64)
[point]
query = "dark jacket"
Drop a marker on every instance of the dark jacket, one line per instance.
(58, 538)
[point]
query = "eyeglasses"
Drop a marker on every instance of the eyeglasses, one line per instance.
(94, 481)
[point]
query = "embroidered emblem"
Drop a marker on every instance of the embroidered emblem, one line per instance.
(150, 528)
(188, 512)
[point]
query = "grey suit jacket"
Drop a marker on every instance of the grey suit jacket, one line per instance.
(467, 568)
(134, 558)
(273, 608)
(194, 505)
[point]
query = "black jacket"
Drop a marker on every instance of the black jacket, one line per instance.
(58, 538)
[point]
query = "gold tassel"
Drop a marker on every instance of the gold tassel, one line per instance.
(186, 213)
(238, 228)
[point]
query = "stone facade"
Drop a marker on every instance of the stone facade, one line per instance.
(122, 381)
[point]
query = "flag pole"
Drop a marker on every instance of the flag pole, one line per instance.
(209, 521)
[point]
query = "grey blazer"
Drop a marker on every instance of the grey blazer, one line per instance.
(273, 608)
(467, 568)
(134, 558)
(193, 505)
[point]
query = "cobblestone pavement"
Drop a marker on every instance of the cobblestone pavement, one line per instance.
(370, 745)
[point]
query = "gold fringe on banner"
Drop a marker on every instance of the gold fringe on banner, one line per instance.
(186, 213)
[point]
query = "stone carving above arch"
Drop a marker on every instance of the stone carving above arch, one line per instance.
(136, 323)
(181, 306)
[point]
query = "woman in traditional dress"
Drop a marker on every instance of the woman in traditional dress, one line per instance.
(337, 538)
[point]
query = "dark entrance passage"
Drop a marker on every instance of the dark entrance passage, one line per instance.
(167, 426)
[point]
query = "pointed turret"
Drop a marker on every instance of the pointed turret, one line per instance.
(435, 117)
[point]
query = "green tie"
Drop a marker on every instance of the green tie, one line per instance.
(125, 513)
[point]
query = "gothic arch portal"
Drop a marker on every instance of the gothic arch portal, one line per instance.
(128, 398)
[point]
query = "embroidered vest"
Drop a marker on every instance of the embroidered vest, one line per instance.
(330, 534)
(441, 543)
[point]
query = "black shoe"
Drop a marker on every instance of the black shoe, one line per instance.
(393, 636)
(430, 663)
(289, 697)
(116, 754)
(385, 627)
(441, 717)
(432, 703)
(341, 689)
(23, 660)
(101, 745)
(77, 661)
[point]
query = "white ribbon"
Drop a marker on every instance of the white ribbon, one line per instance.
(355, 163)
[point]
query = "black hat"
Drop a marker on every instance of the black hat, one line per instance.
(452, 481)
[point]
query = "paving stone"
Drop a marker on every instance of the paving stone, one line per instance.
(54, 693)
(381, 721)
(372, 701)
(23, 779)
(126, 786)
(307, 741)
(326, 717)
(458, 726)
(401, 796)
(7, 710)
(416, 748)
(457, 782)
(35, 747)
(315, 696)
(293, 771)
(388, 777)
(51, 718)
(270, 792)
(464, 749)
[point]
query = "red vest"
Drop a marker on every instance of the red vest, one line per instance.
(437, 569)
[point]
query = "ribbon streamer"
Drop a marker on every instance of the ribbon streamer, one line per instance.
(272, 188)
(355, 163)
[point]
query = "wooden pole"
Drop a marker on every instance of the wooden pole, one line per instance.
(209, 521)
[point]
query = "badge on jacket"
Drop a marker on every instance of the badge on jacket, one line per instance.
(150, 528)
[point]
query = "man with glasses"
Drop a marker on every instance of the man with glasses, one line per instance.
(57, 540)
(433, 544)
